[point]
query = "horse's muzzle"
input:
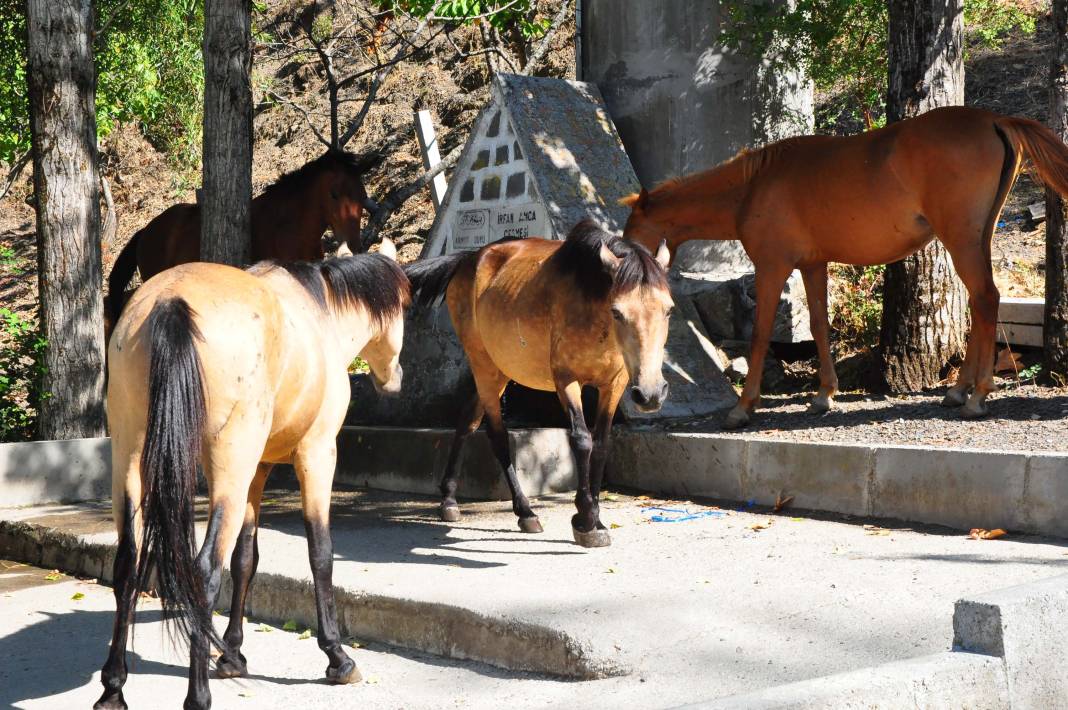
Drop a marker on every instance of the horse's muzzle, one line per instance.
(650, 400)
(394, 384)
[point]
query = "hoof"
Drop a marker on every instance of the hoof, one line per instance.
(736, 419)
(346, 674)
(228, 667)
(953, 399)
(820, 405)
(450, 513)
(110, 701)
(977, 412)
(594, 538)
(530, 525)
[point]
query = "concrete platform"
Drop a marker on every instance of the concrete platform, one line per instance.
(721, 604)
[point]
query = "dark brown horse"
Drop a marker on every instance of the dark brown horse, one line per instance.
(555, 316)
(235, 371)
(288, 221)
(872, 198)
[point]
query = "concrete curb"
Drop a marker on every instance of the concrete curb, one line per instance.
(959, 488)
(1009, 652)
(440, 629)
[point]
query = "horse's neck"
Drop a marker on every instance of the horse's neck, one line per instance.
(707, 205)
(352, 328)
(279, 206)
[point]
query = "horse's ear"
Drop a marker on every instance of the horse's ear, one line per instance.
(388, 249)
(636, 200)
(663, 254)
(610, 260)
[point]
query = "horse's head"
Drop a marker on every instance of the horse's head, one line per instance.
(641, 227)
(382, 352)
(345, 200)
(641, 304)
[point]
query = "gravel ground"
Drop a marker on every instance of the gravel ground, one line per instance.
(1022, 418)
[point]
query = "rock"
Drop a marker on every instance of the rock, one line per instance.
(738, 368)
(728, 307)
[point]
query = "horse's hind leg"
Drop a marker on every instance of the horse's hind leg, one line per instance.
(498, 436)
(470, 418)
(113, 675)
(974, 268)
(315, 463)
(230, 475)
(243, 563)
(815, 279)
(770, 279)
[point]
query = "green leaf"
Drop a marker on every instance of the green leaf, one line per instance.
(78, 596)
(290, 625)
(306, 634)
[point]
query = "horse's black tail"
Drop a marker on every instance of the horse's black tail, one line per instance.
(176, 413)
(121, 273)
(430, 277)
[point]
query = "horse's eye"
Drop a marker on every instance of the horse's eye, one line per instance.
(670, 312)
(617, 314)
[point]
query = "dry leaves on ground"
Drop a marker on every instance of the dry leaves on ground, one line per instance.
(875, 530)
(981, 534)
(781, 502)
(757, 527)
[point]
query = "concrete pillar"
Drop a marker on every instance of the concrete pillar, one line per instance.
(681, 101)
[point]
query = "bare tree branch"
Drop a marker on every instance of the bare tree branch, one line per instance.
(541, 49)
(394, 200)
(13, 175)
(111, 222)
(307, 115)
(372, 92)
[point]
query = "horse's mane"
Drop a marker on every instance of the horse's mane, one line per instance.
(298, 179)
(580, 258)
(740, 169)
(371, 281)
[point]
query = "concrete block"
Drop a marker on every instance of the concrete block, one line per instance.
(819, 476)
(1026, 626)
(35, 472)
(413, 461)
(728, 307)
(678, 464)
(1045, 502)
(942, 680)
(961, 489)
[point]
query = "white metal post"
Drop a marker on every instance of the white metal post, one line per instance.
(428, 146)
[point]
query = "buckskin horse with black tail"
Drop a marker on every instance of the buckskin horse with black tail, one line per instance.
(554, 316)
(872, 198)
(236, 371)
(288, 222)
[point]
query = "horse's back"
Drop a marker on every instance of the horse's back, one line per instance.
(837, 197)
(501, 306)
(170, 239)
(237, 317)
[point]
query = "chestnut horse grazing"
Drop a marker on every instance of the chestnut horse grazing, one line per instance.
(288, 221)
(554, 316)
(237, 371)
(872, 198)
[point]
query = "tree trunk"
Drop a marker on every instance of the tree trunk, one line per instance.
(62, 86)
(925, 317)
(226, 227)
(1055, 329)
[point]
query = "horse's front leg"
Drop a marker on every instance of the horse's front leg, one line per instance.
(815, 279)
(314, 464)
(243, 563)
(607, 401)
(770, 279)
(584, 522)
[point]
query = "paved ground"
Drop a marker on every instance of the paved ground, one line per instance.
(707, 607)
(1022, 418)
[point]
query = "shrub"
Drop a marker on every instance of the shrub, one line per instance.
(21, 370)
